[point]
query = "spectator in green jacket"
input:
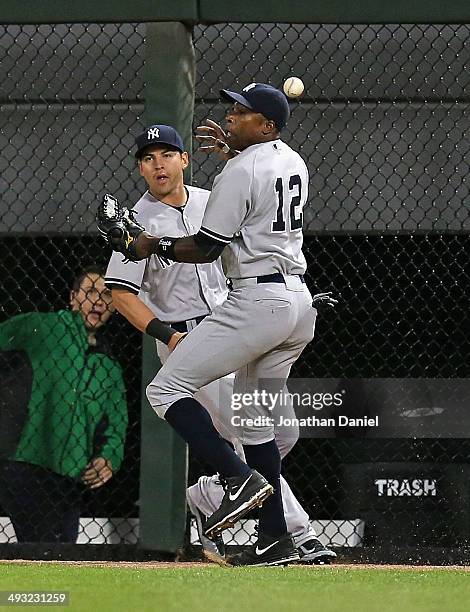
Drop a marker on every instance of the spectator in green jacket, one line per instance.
(73, 432)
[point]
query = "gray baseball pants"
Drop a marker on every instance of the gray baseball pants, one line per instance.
(258, 332)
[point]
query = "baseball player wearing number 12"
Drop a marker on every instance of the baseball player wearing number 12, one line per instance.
(183, 295)
(253, 215)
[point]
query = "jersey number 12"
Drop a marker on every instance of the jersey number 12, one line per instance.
(295, 212)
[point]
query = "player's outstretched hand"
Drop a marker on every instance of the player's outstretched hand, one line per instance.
(212, 139)
(118, 227)
(324, 299)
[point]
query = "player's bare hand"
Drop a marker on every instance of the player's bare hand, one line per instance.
(212, 139)
(97, 472)
(324, 299)
(213, 129)
(175, 340)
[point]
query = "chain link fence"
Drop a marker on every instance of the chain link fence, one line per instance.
(384, 128)
(68, 117)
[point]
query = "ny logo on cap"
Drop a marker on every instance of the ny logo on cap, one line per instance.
(248, 87)
(153, 133)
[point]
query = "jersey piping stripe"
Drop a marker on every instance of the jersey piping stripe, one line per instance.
(215, 236)
(120, 281)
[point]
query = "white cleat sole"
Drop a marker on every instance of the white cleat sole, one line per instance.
(292, 559)
(231, 519)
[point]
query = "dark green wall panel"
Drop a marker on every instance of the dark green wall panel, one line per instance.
(105, 11)
(215, 11)
(169, 99)
(335, 11)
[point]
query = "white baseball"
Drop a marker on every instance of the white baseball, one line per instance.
(293, 87)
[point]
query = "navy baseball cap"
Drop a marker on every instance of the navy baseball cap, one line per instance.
(158, 134)
(264, 99)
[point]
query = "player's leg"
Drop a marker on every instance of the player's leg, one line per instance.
(214, 396)
(237, 331)
(309, 547)
(299, 525)
(274, 544)
(269, 372)
(298, 521)
(205, 496)
(207, 492)
(203, 499)
(264, 457)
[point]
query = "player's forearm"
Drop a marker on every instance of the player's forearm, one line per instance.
(141, 317)
(183, 250)
(132, 308)
(188, 250)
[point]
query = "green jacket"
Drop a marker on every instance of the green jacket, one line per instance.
(75, 389)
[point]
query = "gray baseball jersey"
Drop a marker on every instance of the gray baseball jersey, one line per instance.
(266, 238)
(173, 291)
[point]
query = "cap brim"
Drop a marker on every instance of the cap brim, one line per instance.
(168, 144)
(233, 96)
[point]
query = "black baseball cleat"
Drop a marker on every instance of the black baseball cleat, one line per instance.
(267, 551)
(313, 552)
(242, 493)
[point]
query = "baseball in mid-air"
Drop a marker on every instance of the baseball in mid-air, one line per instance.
(293, 87)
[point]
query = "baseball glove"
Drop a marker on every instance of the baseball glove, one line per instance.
(117, 225)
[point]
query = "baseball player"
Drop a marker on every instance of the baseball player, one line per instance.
(150, 288)
(254, 216)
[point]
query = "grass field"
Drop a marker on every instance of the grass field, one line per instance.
(211, 588)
